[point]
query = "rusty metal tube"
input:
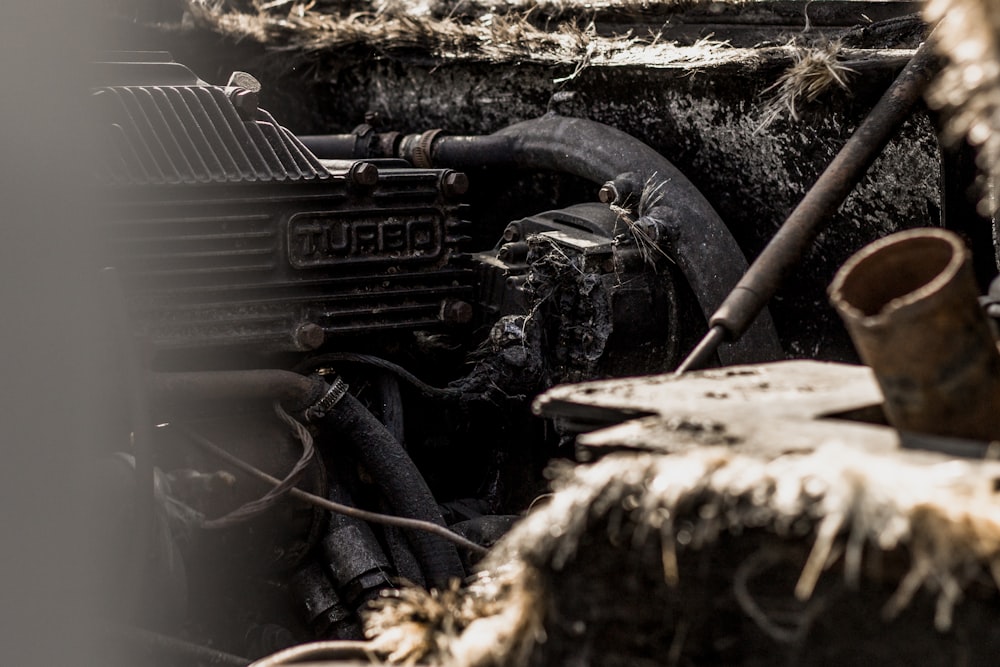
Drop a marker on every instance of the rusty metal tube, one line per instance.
(910, 304)
(793, 239)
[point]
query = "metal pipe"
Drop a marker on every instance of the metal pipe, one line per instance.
(784, 252)
(910, 304)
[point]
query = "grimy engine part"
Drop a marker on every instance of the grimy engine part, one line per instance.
(910, 304)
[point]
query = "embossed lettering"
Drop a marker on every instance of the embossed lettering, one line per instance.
(317, 240)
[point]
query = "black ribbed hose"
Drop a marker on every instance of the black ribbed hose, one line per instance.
(400, 483)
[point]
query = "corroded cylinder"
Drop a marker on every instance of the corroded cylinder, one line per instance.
(910, 304)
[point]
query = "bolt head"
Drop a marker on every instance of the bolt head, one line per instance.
(309, 336)
(512, 233)
(245, 102)
(455, 184)
(608, 194)
(364, 173)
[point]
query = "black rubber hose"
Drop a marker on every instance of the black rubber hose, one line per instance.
(389, 395)
(400, 483)
(697, 239)
(357, 564)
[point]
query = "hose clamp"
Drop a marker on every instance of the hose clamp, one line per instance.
(333, 394)
(422, 151)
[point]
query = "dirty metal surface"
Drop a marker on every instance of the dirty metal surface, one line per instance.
(793, 239)
(784, 406)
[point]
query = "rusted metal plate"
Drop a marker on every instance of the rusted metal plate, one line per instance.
(803, 389)
(780, 407)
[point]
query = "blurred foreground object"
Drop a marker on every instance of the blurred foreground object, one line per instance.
(910, 303)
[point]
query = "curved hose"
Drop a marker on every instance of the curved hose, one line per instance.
(696, 238)
(400, 483)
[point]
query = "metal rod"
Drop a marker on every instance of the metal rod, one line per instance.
(703, 351)
(790, 244)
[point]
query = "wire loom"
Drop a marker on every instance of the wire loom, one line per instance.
(276, 493)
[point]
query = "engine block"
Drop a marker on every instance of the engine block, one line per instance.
(228, 231)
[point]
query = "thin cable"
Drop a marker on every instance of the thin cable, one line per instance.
(378, 362)
(317, 501)
(281, 488)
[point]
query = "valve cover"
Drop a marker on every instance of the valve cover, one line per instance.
(227, 231)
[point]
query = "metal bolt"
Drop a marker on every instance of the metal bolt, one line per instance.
(455, 184)
(373, 118)
(512, 233)
(363, 173)
(309, 336)
(608, 194)
(245, 101)
(514, 252)
(456, 312)
(243, 80)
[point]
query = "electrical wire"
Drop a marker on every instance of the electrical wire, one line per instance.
(318, 501)
(377, 362)
(281, 488)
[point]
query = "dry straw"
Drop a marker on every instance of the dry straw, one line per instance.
(943, 513)
(968, 89)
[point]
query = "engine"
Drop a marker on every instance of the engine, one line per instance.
(327, 368)
(228, 232)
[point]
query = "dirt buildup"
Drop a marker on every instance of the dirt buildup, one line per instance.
(813, 71)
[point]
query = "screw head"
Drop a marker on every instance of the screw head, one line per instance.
(455, 184)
